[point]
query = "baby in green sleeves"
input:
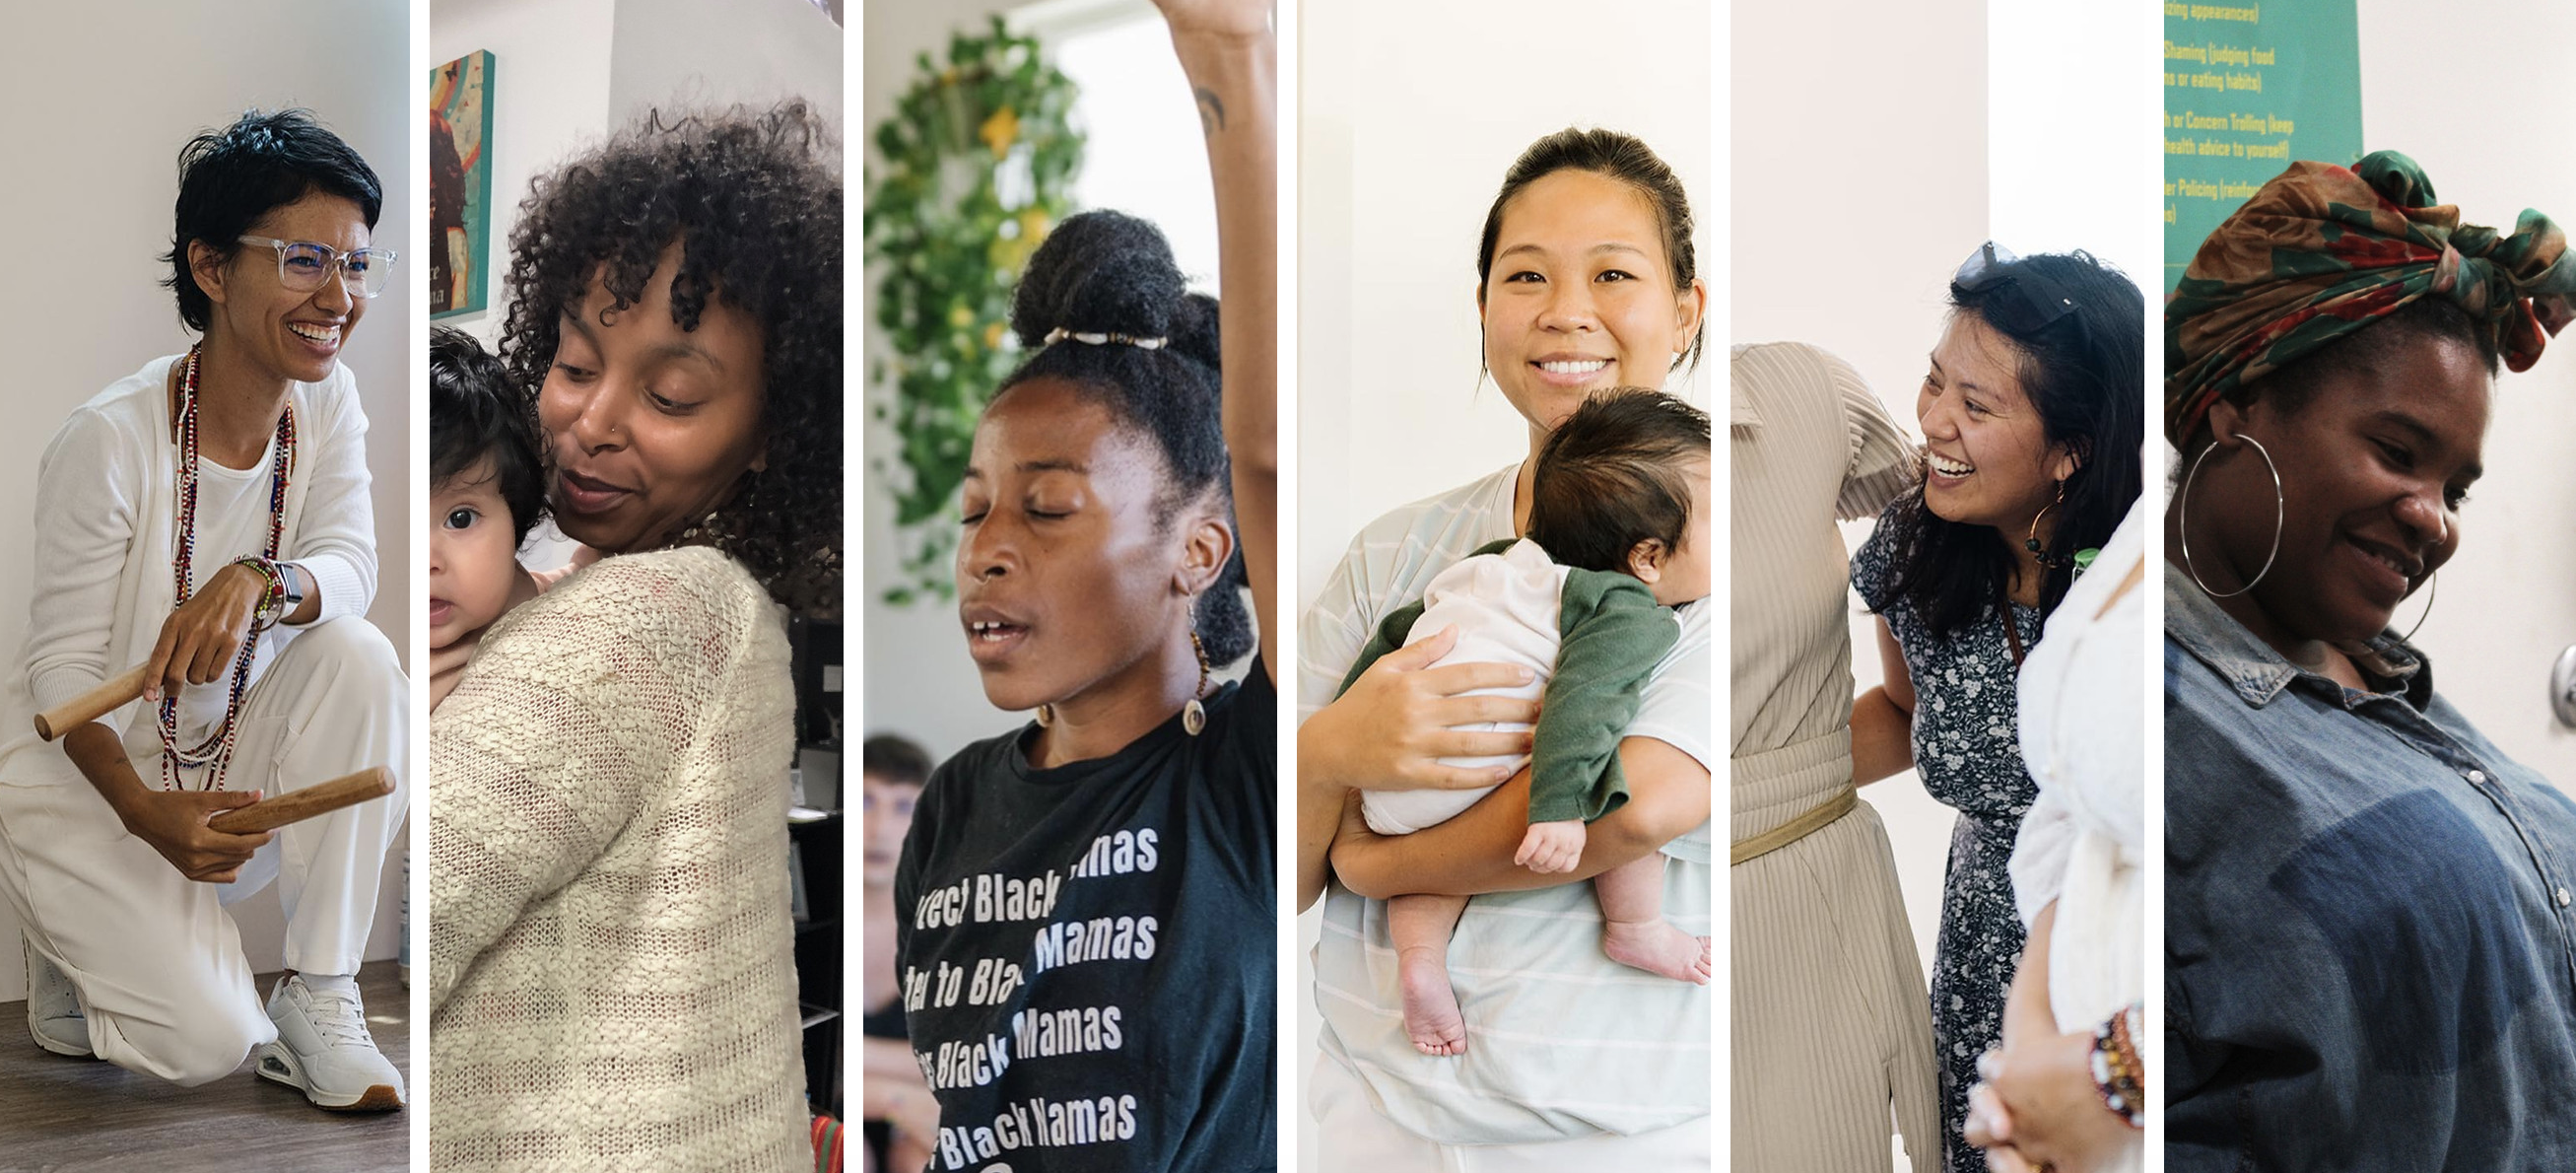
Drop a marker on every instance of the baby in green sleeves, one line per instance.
(1618, 535)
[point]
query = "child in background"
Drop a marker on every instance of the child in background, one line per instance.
(487, 488)
(1617, 536)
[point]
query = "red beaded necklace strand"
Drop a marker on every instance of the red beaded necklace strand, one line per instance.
(216, 751)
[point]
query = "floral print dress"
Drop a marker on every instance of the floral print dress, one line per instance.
(1967, 747)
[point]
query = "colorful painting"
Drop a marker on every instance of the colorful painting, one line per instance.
(460, 185)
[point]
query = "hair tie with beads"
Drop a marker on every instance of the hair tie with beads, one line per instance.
(1060, 334)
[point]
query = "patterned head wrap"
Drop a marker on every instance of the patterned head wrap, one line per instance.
(2321, 252)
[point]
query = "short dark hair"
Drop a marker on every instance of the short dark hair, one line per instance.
(230, 178)
(2084, 373)
(1613, 475)
(895, 759)
(1103, 272)
(753, 199)
(1623, 157)
(475, 414)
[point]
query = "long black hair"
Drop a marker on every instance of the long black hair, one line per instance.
(1105, 273)
(2084, 373)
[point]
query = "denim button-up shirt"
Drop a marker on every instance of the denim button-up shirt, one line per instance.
(2370, 954)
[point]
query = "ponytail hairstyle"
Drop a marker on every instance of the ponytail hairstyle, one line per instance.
(1111, 276)
(1611, 155)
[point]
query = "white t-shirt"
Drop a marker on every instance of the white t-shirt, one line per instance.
(1564, 1042)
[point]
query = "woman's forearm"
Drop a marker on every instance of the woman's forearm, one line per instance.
(1668, 794)
(1882, 737)
(1234, 79)
(1319, 818)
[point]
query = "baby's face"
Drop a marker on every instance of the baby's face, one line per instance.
(1684, 577)
(472, 555)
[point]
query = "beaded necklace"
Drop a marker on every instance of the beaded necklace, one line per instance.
(216, 751)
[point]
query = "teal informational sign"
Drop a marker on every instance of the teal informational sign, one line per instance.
(2249, 89)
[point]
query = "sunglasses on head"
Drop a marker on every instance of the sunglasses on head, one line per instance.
(2003, 298)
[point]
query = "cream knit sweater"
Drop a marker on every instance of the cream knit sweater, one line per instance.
(612, 982)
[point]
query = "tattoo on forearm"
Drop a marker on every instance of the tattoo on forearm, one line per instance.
(1211, 111)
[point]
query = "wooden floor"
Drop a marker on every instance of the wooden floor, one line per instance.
(59, 1114)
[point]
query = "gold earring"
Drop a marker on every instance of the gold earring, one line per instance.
(1046, 716)
(1194, 714)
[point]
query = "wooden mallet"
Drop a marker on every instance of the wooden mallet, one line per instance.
(265, 815)
(269, 814)
(92, 705)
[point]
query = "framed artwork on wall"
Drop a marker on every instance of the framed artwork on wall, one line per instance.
(460, 185)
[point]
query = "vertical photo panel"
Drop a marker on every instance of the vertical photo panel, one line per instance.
(205, 696)
(1505, 679)
(1071, 758)
(635, 843)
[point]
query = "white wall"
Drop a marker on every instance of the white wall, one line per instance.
(89, 200)
(2505, 607)
(696, 53)
(1145, 156)
(1410, 115)
(550, 96)
(1860, 184)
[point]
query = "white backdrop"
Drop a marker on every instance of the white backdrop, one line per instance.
(1410, 116)
(89, 203)
(2506, 607)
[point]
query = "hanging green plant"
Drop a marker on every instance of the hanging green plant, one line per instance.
(975, 166)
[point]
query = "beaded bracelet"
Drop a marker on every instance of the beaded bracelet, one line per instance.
(2117, 1074)
(272, 597)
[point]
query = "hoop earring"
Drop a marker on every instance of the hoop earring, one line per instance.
(2280, 514)
(2031, 543)
(1046, 716)
(2432, 593)
(1194, 714)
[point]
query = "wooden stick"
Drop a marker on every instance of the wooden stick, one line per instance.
(91, 705)
(297, 805)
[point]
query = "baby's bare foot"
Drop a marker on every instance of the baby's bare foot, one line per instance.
(1656, 947)
(1430, 1006)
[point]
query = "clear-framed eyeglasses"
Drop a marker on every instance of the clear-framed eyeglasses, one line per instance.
(302, 265)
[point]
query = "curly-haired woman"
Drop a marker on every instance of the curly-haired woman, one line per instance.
(612, 980)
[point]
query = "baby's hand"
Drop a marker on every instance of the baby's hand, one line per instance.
(1552, 847)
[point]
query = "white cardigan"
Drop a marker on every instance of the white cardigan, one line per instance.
(611, 959)
(106, 516)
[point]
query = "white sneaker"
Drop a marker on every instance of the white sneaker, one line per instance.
(54, 1017)
(323, 1047)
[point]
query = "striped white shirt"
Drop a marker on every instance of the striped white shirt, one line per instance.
(1562, 1041)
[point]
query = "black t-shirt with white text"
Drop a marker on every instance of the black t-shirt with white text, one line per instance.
(1086, 952)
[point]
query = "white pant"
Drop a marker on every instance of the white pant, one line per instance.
(1354, 1136)
(158, 963)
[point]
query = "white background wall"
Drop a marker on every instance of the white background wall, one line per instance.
(2505, 607)
(1411, 114)
(93, 178)
(1144, 156)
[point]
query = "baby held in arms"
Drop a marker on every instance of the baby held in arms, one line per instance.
(1618, 535)
(487, 489)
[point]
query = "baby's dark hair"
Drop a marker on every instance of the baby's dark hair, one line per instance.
(753, 199)
(475, 414)
(1104, 273)
(1616, 474)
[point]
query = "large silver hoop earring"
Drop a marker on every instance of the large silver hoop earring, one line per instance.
(2432, 592)
(2280, 514)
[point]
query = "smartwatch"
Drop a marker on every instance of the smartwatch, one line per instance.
(294, 576)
